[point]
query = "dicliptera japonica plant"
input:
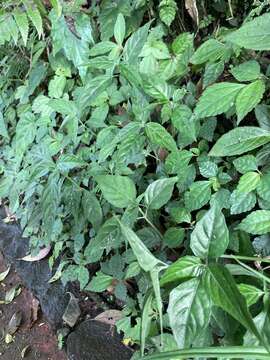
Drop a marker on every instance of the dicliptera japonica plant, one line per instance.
(135, 141)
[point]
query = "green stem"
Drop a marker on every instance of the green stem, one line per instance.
(247, 258)
(232, 352)
(149, 222)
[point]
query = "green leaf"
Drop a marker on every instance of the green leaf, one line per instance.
(245, 163)
(248, 98)
(25, 132)
(185, 267)
(144, 257)
(198, 195)
(75, 49)
(220, 352)
(239, 141)
(217, 99)
(242, 201)
(50, 199)
(247, 71)
(34, 15)
(108, 238)
(177, 160)
(159, 192)
(68, 162)
(210, 50)
(120, 29)
(182, 43)
(189, 311)
(83, 277)
(250, 292)
(57, 86)
(22, 23)
(147, 316)
(253, 34)
(101, 48)
(212, 72)
(183, 120)
(167, 11)
(158, 135)
(99, 283)
(92, 209)
(174, 237)
(257, 223)
(210, 237)
(263, 189)
(224, 293)
(3, 127)
(134, 45)
(120, 191)
(57, 6)
(248, 182)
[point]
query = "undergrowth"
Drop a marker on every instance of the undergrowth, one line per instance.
(135, 142)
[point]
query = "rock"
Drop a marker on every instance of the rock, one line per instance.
(53, 297)
(94, 340)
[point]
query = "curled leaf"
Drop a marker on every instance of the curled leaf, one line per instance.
(41, 255)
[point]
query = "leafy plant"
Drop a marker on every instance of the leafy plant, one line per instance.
(134, 140)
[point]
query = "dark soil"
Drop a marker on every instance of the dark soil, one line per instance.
(34, 333)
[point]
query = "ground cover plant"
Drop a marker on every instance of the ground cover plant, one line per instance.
(135, 145)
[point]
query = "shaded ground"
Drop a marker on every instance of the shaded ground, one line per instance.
(33, 331)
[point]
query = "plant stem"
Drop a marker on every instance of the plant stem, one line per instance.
(247, 258)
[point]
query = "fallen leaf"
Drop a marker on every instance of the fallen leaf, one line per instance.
(109, 316)
(4, 274)
(72, 312)
(14, 323)
(8, 339)
(11, 294)
(41, 255)
(34, 310)
(192, 9)
(25, 351)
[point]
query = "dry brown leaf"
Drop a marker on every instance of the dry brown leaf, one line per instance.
(41, 255)
(14, 323)
(72, 312)
(25, 351)
(192, 9)
(34, 310)
(4, 274)
(109, 316)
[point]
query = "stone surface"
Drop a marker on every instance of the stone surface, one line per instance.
(94, 340)
(53, 297)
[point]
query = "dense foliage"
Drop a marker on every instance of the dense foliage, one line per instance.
(135, 141)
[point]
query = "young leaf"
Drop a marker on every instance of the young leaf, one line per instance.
(253, 34)
(120, 29)
(250, 292)
(167, 11)
(248, 98)
(189, 311)
(158, 135)
(263, 189)
(120, 191)
(239, 141)
(159, 192)
(248, 182)
(185, 267)
(210, 237)
(257, 222)
(217, 99)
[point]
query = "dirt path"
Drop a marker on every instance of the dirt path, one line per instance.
(33, 331)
